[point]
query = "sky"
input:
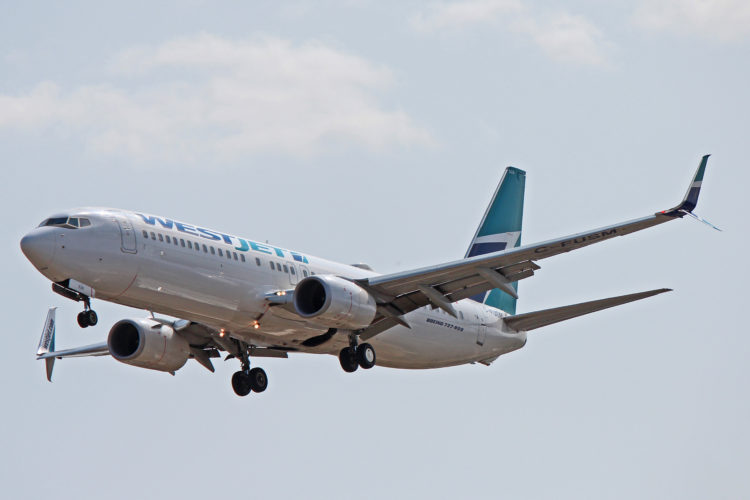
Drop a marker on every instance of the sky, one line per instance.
(376, 132)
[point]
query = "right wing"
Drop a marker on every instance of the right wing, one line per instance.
(204, 341)
(46, 349)
(400, 293)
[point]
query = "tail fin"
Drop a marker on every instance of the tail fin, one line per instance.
(500, 229)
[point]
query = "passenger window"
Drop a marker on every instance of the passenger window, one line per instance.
(242, 257)
(161, 238)
(292, 270)
(197, 247)
(271, 264)
(205, 249)
(174, 240)
(168, 239)
(257, 260)
(286, 269)
(304, 273)
(229, 254)
(212, 251)
(278, 268)
(234, 254)
(84, 222)
(190, 244)
(182, 243)
(145, 233)
(220, 253)
(153, 236)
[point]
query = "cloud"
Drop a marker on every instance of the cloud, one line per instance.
(566, 38)
(206, 96)
(461, 14)
(563, 37)
(723, 20)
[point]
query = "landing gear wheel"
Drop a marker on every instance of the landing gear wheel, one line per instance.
(92, 318)
(365, 356)
(348, 359)
(258, 380)
(83, 319)
(241, 383)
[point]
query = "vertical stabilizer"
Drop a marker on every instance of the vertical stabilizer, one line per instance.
(500, 229)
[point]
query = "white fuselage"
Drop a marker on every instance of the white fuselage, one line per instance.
(221, 281)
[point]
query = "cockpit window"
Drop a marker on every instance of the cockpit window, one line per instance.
(67, 222)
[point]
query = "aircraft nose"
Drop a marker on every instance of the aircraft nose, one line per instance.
(39, 247)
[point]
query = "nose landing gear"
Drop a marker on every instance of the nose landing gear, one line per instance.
(88, 316)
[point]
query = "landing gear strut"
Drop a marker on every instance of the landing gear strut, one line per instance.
(356, 355)
(248, 380)
(88, 316)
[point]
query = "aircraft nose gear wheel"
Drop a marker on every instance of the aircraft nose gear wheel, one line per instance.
(258, 380)
(348, 359)
(365, 356)
(87, 318)
(241, 383)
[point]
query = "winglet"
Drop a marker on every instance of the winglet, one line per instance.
(690, 200)
(47, 341)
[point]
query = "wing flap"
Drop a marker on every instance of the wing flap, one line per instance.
(538, 319)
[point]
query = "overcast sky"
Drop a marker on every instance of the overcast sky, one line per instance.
(376, 132)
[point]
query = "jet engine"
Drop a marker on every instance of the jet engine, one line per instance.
(148, 344)
(334, 302)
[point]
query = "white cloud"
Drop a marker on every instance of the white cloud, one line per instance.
(725, 20)
(563, 37)
(566, 38)
(202, 96)
(461, 14)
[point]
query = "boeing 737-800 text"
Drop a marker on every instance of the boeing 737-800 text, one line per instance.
(252, 299)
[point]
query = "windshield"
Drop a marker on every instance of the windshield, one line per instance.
(67, 222)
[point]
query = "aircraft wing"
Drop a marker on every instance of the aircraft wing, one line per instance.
(440, 285)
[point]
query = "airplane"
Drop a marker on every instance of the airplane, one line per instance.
(252, 300)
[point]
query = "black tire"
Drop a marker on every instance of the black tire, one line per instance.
(258, 380)
(365, 356)
(348, 360)
(241, 383)
(83, 319)
(91, 316)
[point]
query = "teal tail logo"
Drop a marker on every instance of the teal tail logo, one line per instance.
(500, 229)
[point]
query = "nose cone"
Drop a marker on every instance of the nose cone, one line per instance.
(39, 247)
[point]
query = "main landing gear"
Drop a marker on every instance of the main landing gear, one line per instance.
(248, 380)
(354, 356)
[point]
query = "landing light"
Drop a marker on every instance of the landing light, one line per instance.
(222, 333)
(256, 325)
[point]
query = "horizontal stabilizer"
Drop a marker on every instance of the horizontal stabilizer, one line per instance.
(538, 319)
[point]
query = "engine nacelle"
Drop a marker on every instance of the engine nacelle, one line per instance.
(334, 302)
(148, 344)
